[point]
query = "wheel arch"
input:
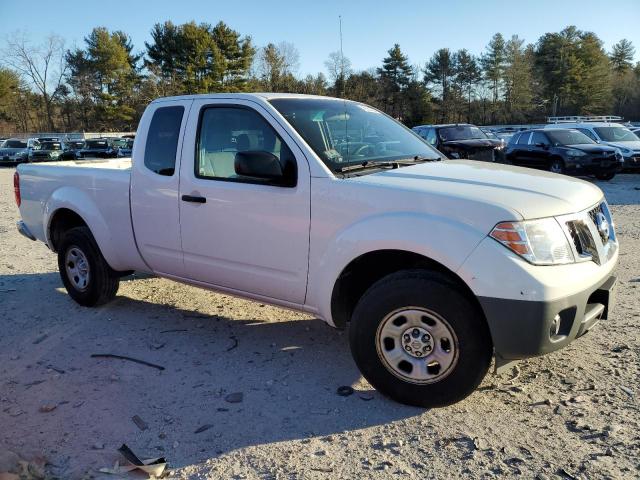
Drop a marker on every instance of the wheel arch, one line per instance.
(363, 271)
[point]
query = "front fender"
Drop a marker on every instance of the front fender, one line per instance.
(438, 238)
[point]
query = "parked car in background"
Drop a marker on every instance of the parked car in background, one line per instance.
(435, 266)
(49, 151)
(49, 139)
(126, 149)
(98, 148)
(462, 140)
(72, 149)
(609, 133)
(16, 150)
(564, 150)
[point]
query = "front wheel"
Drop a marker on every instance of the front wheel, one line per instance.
(605, 176)
(556, 166)
(86, 275)
(418, 339)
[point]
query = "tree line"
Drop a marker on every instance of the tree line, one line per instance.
(105, 84)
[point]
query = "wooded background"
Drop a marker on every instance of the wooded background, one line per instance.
(106, 84)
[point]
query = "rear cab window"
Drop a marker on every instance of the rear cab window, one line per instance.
(162, 140)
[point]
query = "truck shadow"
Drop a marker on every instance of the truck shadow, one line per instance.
(245, 375)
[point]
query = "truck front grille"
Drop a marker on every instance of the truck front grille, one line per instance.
(588, 241)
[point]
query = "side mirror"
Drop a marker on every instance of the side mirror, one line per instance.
(262, 165)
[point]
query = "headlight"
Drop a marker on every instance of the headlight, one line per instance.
(540, 242)
(575, 153)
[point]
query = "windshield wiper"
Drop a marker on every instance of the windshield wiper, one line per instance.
(367, 164)
(416, 159)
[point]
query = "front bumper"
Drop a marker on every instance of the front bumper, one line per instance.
(522, 329)
(594, 166)
(632, 162)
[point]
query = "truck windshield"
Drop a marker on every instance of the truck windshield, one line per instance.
(96, 144)
(50, 146)
(461, 132)
(344, 133)
(615, 134)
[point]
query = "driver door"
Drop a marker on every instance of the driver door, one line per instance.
(239, 233)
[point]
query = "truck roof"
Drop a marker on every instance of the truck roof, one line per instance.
(261, 96)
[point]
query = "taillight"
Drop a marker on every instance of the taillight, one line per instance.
(16, 188)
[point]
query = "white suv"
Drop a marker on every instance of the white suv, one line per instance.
(612, 134)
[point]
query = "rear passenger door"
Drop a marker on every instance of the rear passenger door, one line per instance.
(242, 234)
(155, 184)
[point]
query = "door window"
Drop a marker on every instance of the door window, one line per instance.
(162, 140)
(431, 136)
(225, 131)
(588, 133)
(524, 138)
(539, 138)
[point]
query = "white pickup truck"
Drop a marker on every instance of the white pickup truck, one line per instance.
(331, 207)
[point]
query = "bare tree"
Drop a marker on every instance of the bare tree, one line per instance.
(43, 66)
(339, 66)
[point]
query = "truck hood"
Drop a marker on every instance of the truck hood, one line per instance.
(528, 193)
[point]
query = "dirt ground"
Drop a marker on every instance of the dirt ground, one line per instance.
(249, 391)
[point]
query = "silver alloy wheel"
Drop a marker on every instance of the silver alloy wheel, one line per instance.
(77, 267)
(556, 167)
(417, 345)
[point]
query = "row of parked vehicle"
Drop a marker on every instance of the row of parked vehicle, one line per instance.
(48, 149)
(575, 146)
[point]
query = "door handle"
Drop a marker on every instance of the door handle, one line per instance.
(193, 199)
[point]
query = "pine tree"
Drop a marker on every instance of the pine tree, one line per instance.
(518, 91)
(395, 76)
(492, 62)
(467, 76)
(622, 55)
(440, 72)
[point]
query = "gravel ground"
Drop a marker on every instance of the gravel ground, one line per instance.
(249, 391)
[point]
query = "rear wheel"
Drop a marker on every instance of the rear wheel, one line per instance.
(419, 340)
(89, 280)
(556, 165)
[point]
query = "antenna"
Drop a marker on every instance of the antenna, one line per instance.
(341, 56)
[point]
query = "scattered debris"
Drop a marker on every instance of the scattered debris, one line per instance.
(98, 446)
(235, 343)
(55, 369)
(175, 330)
(141, 424)
(157, 346)
(40, 339)
(345, 391)
(366, 396)
(48, 408)
(124, 357)
(626, 390)
(203, 428)
(154, 467)
(235, 397)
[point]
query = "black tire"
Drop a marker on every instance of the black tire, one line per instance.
(437, 293)
(605, 176)
(103, 281)
(556, 165)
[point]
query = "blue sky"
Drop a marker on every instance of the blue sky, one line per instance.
(370, 28)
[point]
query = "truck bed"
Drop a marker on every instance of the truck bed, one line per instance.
(98, 190)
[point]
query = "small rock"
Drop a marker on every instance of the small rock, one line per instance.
(162, 435)
(235, 397)
(480, 443)
(48, 408)
(98, 446)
